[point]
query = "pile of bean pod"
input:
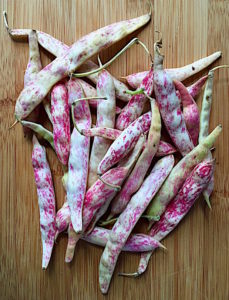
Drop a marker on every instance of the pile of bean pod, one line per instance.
(122, 168)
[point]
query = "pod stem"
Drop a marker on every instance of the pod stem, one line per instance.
(6, 22)
(113, 186)
(131, 43)
(219, 67)
(15, 123)
(135, 274)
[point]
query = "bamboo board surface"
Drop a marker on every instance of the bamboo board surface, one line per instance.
(196, 265)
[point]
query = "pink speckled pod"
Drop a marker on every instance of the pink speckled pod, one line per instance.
(190, 111)
(169, 105)
(58, 48)
(179, 206)
(75, 56)
(196, 87)
(164, 148)
(182, 73)
(137, 175)
(125, 142)
(106, 118)
(100, 193)
(135, 106)
(33, 67)
(79, 155)
(135, 243)
(61, 122)
(178, 175)
(128, 219)
(46, 200)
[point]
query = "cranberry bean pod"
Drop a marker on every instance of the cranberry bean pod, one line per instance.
(78, 53)
(190, 112)
(135, 106)
(164, 148)
(135, 243)
(46, 200)
(178, 175)
(106, 118)
(101, 193)
(125, 142)
(169, 105)
(33, 67)
(179, 206)
(182, 73)
(136, 177)
(79, 155)
(61, 122)
(128, 219)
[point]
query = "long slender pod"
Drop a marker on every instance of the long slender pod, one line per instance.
(164, 148)
(46, 200)
(79, 155)
(182, 73)
(58, 48)
(135, 106)
(169, 105)
(136, 177)
(204, 124)
(78, 53)
(33, 67)
(179, 207)
(178, 175)
(135, 243)
(101, 192)
(125, 142)
(128, 219)
(61, 122)
(190, 112)
(105, 117)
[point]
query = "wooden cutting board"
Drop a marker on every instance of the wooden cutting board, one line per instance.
(196, 265)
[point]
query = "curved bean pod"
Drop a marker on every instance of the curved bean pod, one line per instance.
(135, 243)
(100, 193)
(78, 164)
(33, 67)
(182, 73)
(62, 66)
(106, 118)
(178, 175)
(169, 105)
(46, 200)
(164, 148)
(124, 143)
(128, 219)
(61, 122)
(136, 177)
(179, 206)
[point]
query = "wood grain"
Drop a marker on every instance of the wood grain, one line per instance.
(196, 265)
